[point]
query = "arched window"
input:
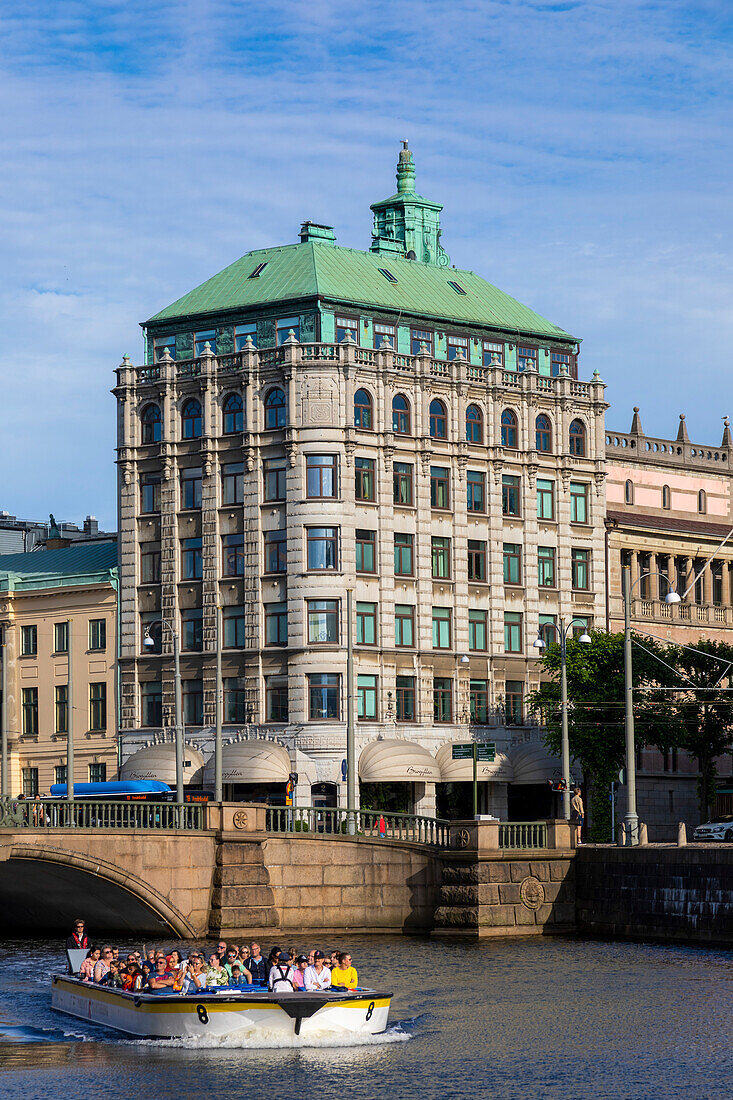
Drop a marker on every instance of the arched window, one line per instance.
(363, 412)
(702, 502)
(474, 424)
(577, 438)
(438, 420)
(666, 496)
(400, 415)
(508, 429)
(275, 410)
(543, 429)
(629, 492)
(151, 424)
(233, 414)
(191, 419)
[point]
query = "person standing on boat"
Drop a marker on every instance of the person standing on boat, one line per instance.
(281, 975)
(256, 964)
(78, 940)
(318, 976)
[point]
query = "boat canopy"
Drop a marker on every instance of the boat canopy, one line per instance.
(499, 770)
(397, 761)
(158, 762)
(255, 761)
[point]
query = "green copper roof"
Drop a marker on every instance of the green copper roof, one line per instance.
(351, 277)
(80, 563)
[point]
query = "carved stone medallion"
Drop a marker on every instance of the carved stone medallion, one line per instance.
(532, 892)
(240, 819)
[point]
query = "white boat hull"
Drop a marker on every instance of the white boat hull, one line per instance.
(223, 1014)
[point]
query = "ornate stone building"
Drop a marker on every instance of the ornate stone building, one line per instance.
(316, 418)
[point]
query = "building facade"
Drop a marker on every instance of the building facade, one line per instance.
(317, 419)
(55, 604)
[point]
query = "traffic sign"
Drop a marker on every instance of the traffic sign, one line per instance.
(485, 751)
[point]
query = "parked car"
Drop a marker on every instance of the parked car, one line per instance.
(719, 828)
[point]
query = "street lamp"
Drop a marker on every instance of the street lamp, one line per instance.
(562, 632)
(631, 818)
(149, 641)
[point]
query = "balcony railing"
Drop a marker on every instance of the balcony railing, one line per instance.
(523, 834)
(61, 814)
(681, 612)
(371, 823)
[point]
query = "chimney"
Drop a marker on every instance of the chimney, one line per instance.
(91, 526)
(312, 231)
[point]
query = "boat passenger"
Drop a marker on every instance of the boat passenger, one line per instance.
(256, 964)
(240, 978)
(114, 977)
(301, 965)
(231, 958)
(194, 977)
(148, 967)
(163, 978)
(272, 959)
(78, 940)
(221, 949)
(244, 955)
(311, 957)
(344, 974)
(280, 979)
(134, 979)
(318, 976)
(175, 961)
(334, 959)
(101, 967)
(86, 970)
(215, 972)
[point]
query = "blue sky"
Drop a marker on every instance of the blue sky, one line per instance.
(582, 150)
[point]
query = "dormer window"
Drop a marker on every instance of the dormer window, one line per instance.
(258, 271)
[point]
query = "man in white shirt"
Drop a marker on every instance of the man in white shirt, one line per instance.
(318, 976)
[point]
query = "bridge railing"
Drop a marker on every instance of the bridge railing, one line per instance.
(372, 823)
(62, 814)
(523, 834)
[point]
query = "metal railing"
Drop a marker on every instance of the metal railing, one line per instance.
(61, 814)
(523, 834)
(373, 823)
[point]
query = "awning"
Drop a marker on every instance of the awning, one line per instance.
(500, 769)
(159, 762)
(534, 763)
(255, 761)
(397, 761)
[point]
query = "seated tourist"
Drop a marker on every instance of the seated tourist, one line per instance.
(113, 977)
(334, 959)
(311, 957)
(101, 967)
(272, 959)
(244, 955)
(221, 949)
(215, 972)
(194, 977)
(231, 957)
(256, 964)
(134, 979)
(301, 965)
(344, 974)
(148, 967)
(318, 976)
(240, 978)
(163, 978)
(86, 970)
(280, 979)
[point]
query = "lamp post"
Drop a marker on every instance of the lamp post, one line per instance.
(149, 641)
(631, 818)
(562, 631)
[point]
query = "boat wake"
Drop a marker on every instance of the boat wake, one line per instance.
(262, 1039)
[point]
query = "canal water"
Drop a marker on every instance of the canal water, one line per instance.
(553, 1019)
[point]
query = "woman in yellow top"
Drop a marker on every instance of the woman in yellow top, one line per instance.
(344, 974)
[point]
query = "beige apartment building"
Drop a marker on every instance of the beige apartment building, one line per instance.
(55, 604)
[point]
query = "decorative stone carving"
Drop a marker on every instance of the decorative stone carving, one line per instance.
(463, 838)
(319, 404)
(240, 819)
(532, 893)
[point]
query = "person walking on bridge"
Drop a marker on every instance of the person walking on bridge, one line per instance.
(577, 814)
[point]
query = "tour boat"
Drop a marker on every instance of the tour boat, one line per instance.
(223, 1012)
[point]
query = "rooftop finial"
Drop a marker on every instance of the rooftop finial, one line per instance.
(405, 170)
(727, 443)
(682, 436)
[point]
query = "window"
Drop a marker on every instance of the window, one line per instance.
(30, 782)
(421, 341)
(233, 409)
(404, 625)
(457, 346)
(366, 698)
(543, 433)
(479, 701)
(697, 568)
(284, 327)
(276, 624)
(547, 629)
(546, 566)
(276, 700)
(234, 710)
(476, 491)
(384, 336)
(509, 431)
(400, 415)
(322, 547)
(560, 360)
(510, 495)
(276, 552)
(191, 419)
(629, 492)
(439, 487)
(364, 478)
(323, 696)
(274, 479)
(320, 476)
(513, 702)
(151, 627)
(493, 354)
(405, 692)
(387, 274)
(275, 410)
(403, 555)
(151, 425)
(363, 411)
(366, 623)
(233, 627)
(61, 708)
(702, 502)
(192, 629)
(191, 489)
(716, 572)
(61, 637)
(526, 358)
(476, 560)
(402, 483)
(201, 339)
(192, 559)
(456, 286)
(97, 773)
(440, 557)
(150, 563)
(666, 497)
(28, 641)
(98, 634)
(578, 502)
(438, 420)
(545, 499)
(513, 631)
(323, 622)
(442, 699)
(149, 493)
(258, 270)
(663, 582)
(193, 702)
(577, 438)
(160, 344)
(441, 628)
(233, 555)
(580, 567)
(98, 707)
(474, 424)
(582, 625)
(346, 325)
(477, 630)
(645, 568)
(232, 483)
(241, 332)
(366, 551)
(512, 563)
